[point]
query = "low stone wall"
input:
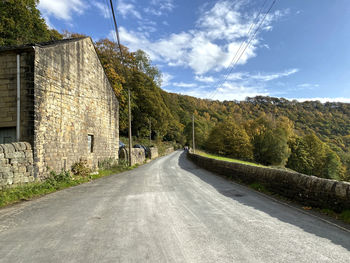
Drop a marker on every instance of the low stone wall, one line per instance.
(137, 156)
(308, 190)
(16, 163)
(153, 152)
(168, 150)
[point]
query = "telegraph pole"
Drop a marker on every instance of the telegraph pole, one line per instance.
(122, 60)
(130, 137)
(193, 144)
(150, 132)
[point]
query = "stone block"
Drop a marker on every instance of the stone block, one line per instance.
(10, 155)
(22, 169)
(8, 148)
(28, 146)
(5, 169)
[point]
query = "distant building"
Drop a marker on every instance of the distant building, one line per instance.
(65, 108)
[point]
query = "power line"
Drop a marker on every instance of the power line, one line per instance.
(117, 32)
(129, 99)
(253, 24)
(247, 45)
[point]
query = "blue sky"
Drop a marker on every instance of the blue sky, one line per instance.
(302, 50)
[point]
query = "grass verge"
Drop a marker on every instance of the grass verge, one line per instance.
(53, 183)
(221, 158)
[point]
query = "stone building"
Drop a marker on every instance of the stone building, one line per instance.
(56, 97)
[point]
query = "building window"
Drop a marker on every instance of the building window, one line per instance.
(7, 135)
(91, 143)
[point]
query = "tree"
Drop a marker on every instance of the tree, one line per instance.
(144, 64)
(230, 139)
(269, 138)
(313, 157)
(21, 23)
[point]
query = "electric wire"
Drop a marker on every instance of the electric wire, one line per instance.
(247, 45)
(253, 24)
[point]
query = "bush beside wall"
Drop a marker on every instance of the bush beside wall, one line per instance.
(308, 190)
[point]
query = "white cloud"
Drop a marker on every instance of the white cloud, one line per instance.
(308, 85)
(103, 8)
(210, 46)
(205, 79)
(229, 91)
(184, 85)
(62, 9)
(159, 7)
(166, 78)
(323, 100)
(127, 8)
(236, 91)
(261, 77)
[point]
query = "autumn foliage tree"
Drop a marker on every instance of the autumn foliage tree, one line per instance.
(21, 23)
(230, 139)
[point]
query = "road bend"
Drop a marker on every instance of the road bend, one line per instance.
(168, 210)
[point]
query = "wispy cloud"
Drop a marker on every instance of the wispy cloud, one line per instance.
(209, 46)
(323, 99)
(126, 9)
(103, 8)
(205, 79)
(63, 9)
(184, 85)
(261, 76)
(159, 7)
(166, 78)
(308, 86)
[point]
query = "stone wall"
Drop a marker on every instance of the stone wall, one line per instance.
(137, 156)
(153, 152)
(168, 150)
(16, 163)
(8, 94)
(74, 102)
(308, 190)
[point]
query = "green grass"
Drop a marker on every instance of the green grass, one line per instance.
(217, 157)
(55, 182)
(344, 215)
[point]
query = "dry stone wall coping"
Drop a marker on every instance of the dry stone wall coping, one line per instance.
(308, 190)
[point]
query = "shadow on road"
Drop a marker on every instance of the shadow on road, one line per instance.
(307, 223)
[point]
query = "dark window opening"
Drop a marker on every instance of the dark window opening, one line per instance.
(91, 143)
(7, 135)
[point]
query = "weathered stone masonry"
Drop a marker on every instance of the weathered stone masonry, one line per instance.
(73, 99)
(308, 190)
(16, 163)
(68, 109)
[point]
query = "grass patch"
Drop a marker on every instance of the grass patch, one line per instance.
(221, 158)
(259, 187)
(55, 182)
(344, 215)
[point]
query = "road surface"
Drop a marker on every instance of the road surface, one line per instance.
(165, 211)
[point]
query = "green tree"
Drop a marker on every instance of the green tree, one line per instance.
(230, 139)
(21, 23)
(313, 157)
(269, 138)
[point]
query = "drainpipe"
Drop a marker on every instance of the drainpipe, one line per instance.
(18, 98)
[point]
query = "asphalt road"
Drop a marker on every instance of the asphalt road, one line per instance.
(165, 211)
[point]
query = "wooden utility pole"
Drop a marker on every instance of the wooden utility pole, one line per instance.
(150, 132)
(193, 143)
(130, 137)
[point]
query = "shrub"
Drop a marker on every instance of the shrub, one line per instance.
(81, 169)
